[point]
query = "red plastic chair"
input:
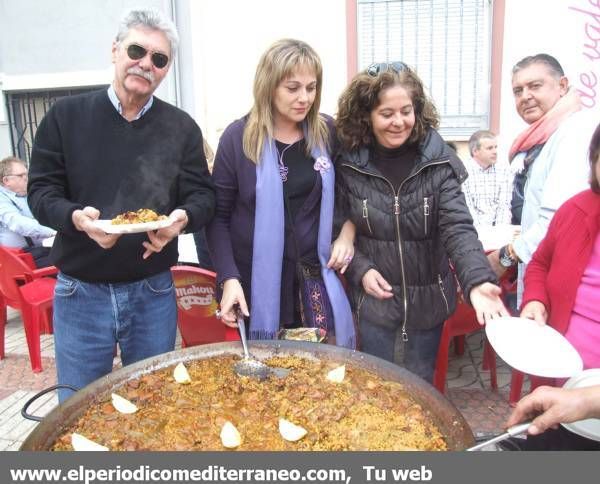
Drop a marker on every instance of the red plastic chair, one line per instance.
(28, 259)
(463, 321)
(517, 379)
(29, 291)
(196, 307)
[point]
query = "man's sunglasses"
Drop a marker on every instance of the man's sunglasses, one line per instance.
(378, 67)
(137, 52)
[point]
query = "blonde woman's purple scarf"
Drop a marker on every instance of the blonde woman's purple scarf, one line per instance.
(267, 256)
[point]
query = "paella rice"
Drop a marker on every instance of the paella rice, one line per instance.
(363, 412)
(142, 215)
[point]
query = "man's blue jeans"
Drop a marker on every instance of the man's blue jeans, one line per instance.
(90, 318)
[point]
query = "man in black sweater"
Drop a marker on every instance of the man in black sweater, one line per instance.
(100, 154)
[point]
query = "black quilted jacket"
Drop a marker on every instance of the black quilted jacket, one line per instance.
(410, 236)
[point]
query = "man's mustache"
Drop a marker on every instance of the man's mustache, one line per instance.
(137, 71)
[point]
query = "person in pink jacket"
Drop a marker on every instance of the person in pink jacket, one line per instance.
(562, 288)
(562, 282)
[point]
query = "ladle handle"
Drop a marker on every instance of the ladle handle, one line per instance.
(242, 330)
(510, 432)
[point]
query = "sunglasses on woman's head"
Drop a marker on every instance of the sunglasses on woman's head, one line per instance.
(378, 67)
(137, 52)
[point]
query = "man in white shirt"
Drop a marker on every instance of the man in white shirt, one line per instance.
(18, 228)
(488, 189)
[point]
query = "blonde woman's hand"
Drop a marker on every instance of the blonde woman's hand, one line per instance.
(485, 299)
(233, 295)
(535, 310)
(375, 285)
(342, 252)
(342, 249)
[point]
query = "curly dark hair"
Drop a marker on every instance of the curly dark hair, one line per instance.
(595, 159)
(361, 96)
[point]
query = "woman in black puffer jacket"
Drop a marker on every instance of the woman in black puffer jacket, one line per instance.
(399, 183)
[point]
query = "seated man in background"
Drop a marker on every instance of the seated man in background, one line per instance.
(18, 228)
(488, 189)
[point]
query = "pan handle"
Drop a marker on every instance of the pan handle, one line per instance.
(29, 416)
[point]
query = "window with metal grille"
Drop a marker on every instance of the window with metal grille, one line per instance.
(26, 110)
(447, 42)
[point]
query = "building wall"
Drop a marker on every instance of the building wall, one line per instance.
(567, 29)
(67, 43)
(228, 38)
(55, 44)
(48, 44)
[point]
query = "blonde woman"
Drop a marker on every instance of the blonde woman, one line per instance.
(275, 193)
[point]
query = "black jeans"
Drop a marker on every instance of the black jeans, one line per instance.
(40, 254)
(417, 355)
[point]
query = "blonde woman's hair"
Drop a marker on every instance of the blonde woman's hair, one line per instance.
(279, 62)
(209, 154)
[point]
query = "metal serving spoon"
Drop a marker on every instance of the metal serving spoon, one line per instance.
(250, 366)
(510, 432)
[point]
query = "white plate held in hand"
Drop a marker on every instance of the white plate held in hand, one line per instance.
(109, 228)
(533, 348)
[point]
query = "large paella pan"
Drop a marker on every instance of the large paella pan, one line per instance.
(379, 406)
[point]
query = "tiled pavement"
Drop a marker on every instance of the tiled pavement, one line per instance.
(468, 386)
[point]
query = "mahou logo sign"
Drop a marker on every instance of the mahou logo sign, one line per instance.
(196, 294)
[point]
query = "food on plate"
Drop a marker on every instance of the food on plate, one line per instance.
(367, 412)
(81, 443)
(181, 374)
(122, 404)
(143, 215)
(230, 436)
(314, 335)
(337, 374)
(290, 431)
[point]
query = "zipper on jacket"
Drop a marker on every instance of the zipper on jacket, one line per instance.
(365, 214)
(441, 283)
(426, 211)
(361, 300)
(399, 236)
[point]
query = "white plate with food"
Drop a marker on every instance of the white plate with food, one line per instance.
(590, 427)
(143, 220)
(135, 228)
(533, 348)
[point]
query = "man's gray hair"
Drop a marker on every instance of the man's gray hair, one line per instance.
(150, 19)
(550, 62)
(477, 136)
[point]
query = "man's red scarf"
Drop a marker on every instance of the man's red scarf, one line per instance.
(539, 131)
